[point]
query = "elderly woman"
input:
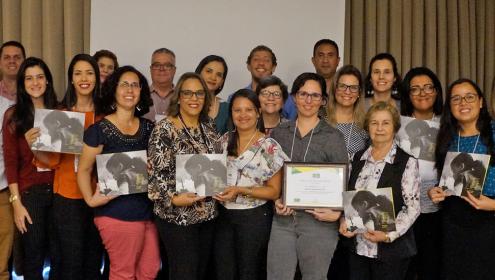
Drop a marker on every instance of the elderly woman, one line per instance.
(468, 223)
(184, 220)
(272, 94)
(383, 81)
(422, 99)
(377, 254)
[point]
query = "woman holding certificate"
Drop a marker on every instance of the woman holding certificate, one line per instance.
(253, 174)
(77, 238)
(184, 220)
(31, 188)
(468, 223)
(377, 254)
(306, 237)
(124, 222)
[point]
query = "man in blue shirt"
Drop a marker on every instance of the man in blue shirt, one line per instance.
(325, 60)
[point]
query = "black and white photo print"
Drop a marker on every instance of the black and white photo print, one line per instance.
(61, 131)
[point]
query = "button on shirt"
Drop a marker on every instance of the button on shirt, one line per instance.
(368, 180)
(160, 105)
(5, 103)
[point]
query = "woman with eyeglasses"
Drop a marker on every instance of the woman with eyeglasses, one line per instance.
(185, 221)
(345, 111)
(307, 237)
(31, 188)
(124, 222)
(254, 178)
(77, 238)
(383, 81)
(468, 223)
(213, 69)
(422, 99)
(272, 94)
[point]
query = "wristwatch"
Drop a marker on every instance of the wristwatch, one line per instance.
(13, 197)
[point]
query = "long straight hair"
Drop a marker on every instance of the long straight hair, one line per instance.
(70, 98)
(23, 115)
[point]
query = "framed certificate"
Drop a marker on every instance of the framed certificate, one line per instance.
(314, 185)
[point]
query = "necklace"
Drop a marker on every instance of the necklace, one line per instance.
(309, 142)
(247, 144)
(459, 141)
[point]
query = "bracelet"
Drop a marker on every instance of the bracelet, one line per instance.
(13, 197)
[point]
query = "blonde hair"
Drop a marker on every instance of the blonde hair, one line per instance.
(358, 110)
(383, 106)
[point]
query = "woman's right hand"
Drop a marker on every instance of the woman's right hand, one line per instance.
(343, 229)
(437, 194)
(32, 135)
(20, 216)
(281, 209)
(186, 199)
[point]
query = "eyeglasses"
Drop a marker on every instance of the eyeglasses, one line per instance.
(126, 85)
(274, 94)
(187, 94)
(165, 66)
(343, 87)
(427, 89)
(469, 98)
(302, 95)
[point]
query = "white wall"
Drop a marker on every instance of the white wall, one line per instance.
(229, 28)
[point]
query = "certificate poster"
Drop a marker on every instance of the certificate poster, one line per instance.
(314, 185)
(61, 131)
(203, 174)
(418, 137)
(122, 173)
(464, 172)
(369, 210)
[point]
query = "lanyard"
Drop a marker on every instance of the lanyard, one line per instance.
(309, 143)
(193, 141)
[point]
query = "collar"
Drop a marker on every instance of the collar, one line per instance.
(291, 125)
(5, 93)
(389, 158)
(154, 91)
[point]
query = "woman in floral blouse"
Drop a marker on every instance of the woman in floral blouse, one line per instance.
(253, 174)
(377, 254)
(185, 220)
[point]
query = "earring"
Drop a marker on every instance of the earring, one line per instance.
(370, 92)
(112, 106)
(138, 108)
(394, 91)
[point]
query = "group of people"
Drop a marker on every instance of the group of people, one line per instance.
(245, 231)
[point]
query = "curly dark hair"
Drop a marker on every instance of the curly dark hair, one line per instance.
(110, 87)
